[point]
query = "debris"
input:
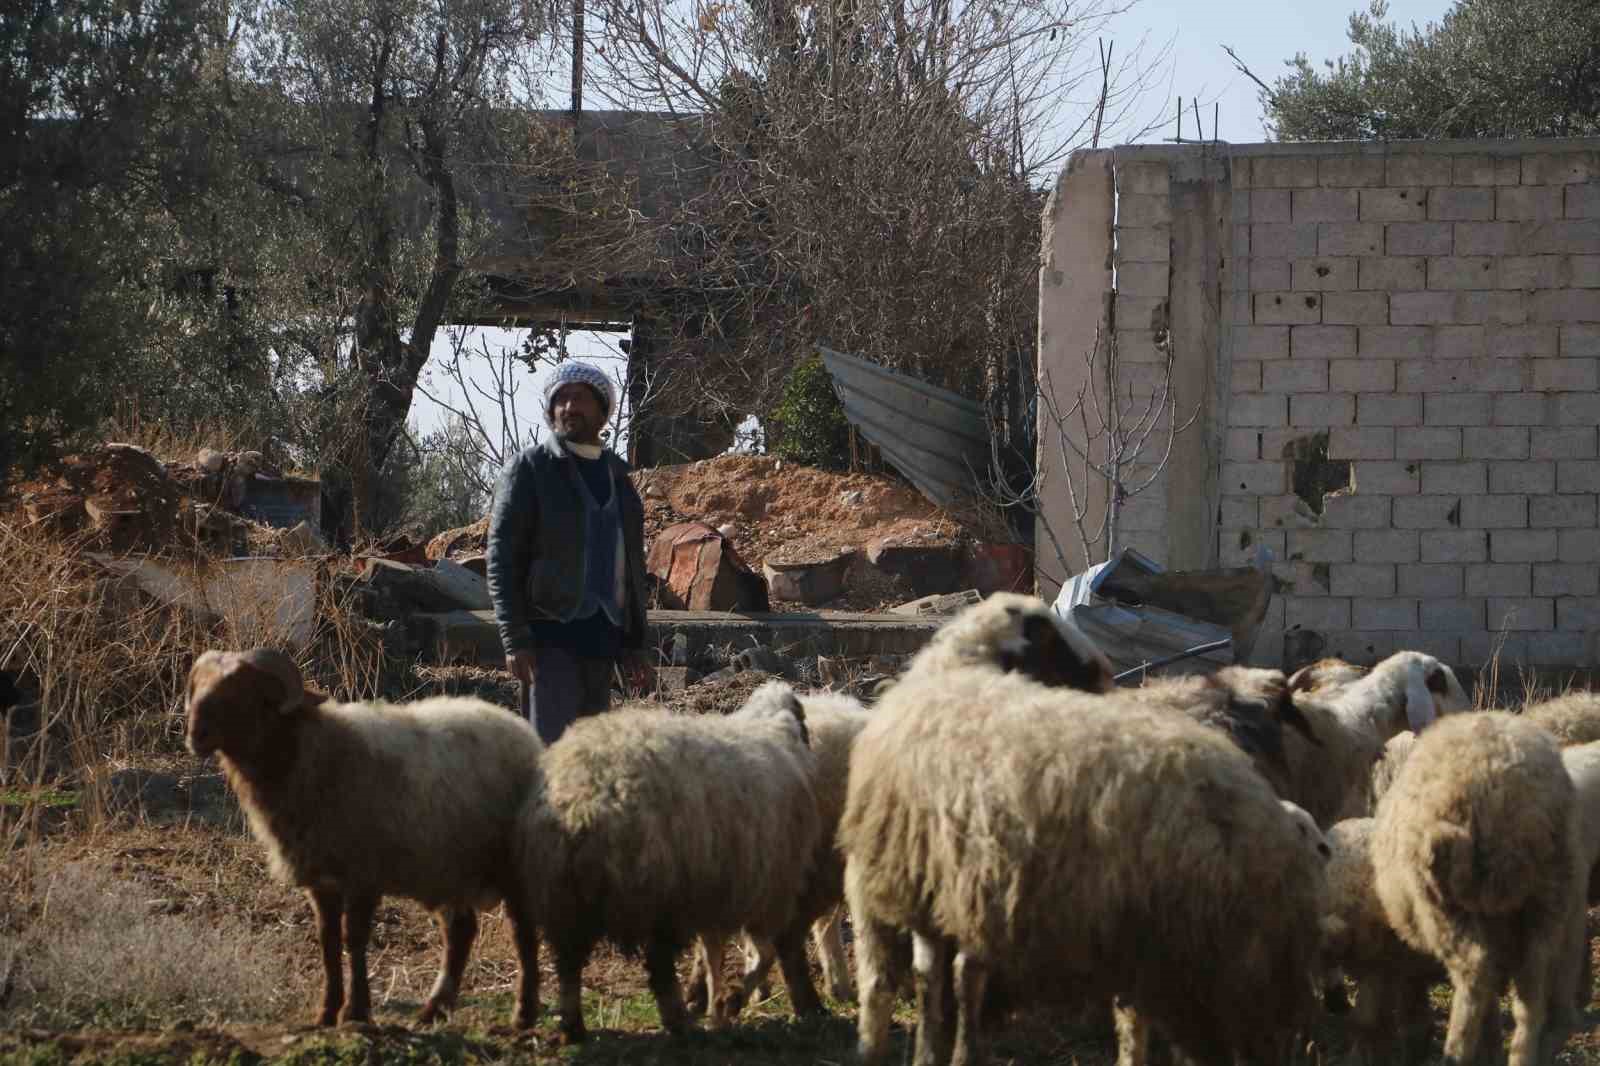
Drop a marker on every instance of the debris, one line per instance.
(700, 570)
(810, 582)
(937, 604)
(928, 568)
(262, 600)
(464, 540)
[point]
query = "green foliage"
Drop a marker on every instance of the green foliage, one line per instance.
(1488, 68)
(810, 423)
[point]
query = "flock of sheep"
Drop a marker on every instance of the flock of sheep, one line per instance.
(1211, 857)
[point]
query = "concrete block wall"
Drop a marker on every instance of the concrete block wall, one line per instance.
(1424, 318)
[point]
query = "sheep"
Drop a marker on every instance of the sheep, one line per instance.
(1393, 978)
(833, 721)
(1011, 632)
(1583, 766)
(1081, 839)
(1476, 853)
(354, 801)
(1326, 675)
(657, 828)
(1395, 752)
(1573, 718)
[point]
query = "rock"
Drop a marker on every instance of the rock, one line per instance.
(680, 649)
(929, 569)
(949, 603)
(811, 583)
(764, 659)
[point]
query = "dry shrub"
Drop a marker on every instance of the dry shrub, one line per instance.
(101, 952)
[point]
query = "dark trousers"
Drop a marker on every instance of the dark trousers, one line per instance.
(566, 687)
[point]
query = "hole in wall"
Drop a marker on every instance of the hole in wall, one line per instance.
(1315, 476)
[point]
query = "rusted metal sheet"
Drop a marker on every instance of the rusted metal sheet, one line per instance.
(700, 570)
(936, 438)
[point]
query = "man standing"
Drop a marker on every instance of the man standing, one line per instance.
(566, 557)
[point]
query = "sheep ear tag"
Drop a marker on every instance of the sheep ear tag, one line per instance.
(1420, 706)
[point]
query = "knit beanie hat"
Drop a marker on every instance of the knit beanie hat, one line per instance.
(592, 376)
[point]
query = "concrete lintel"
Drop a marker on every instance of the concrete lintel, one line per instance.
(1519, 146)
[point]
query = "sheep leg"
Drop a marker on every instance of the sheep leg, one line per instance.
(1472, 998)
(525, 932)
(759, 954)
(971, 975)
(875, 987)
(358, 913)
(930, 962)
(1530, 1008)
(1133, 1035)
(459, 929)
(329, 908)
(828, 935)
(660, 963)
(1335, 1000)
(697, 996)
(711, 952)
(569, 975)
(796, 970)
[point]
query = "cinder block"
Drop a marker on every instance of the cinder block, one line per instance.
(1143, 244)
(1261, 342)
(1422, 308)
(1583, 201)
(1584, 270)
(1350, 170)
(1418, 168)
(1427, 512)
(1578, 475)
(1241, 446)
(1285, 512)
(1325, 275)
(1454, 479)
(1294, 375)
(1320, 546)
(1524, 339)
(1359, 308)
(1521, 476)
(1558, 168)
(1322, 342)
(1397, 614)
(1361, 442)
(1325, 205)
(1580, 339)
(1385, 478)
(1264, 478)
(1488, 238)
(1455, 546)
(1259, 410)
(1521, 614)
(1431, 580)
(1396, 342)
(1578, 612)
(1271, 275)
(1565, 579)
(1577, 408)
(1237, 512)
(1522, 545)
(1389, 409)
(1446, 647)
(1559, 649)
(1144, 210)
(1419, 238)
(1572, 511)
(1498, 307)
(1527, 271)
(1349, 238)
(1361, 375)
(1387, 546)
(1319, 613)
(1245, 377)
(1494, 512)
(1364, 646)
(1460, 204)
(1452, 614)
(1520, 408)
(1146, 179)
(1457, 409)
(1565, 305)
(1283, 171)
(1566, 375)
(1143, 279)
(1563, 237)
(1362, 579)
(1499, 579)
(1494, 442)
(1277, 240)
(1429, 442)
(1394, 205)
(1323, 409)
(1461, 272)
(1351, 511)
(1392, 274)
(1269, 205)
(1519, 203)
(1285, 308)
(1459, 342)
(1563, 442)
(1579, 546)
(1510, 650)
(1460, 375)
(1486, 169)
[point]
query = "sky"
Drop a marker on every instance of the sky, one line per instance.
(1263, 34)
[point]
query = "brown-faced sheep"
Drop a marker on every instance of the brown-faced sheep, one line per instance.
(658, 828)
(1080, 839)
(833, 721)
(1475, 849)
(1326, 675)
(355, 801)
(1572, 719)
(1013, 633)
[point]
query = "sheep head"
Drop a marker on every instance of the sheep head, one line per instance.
(1430, 690)
(232, 697)
(1307, 826)
(776, 700)
(1021, 634)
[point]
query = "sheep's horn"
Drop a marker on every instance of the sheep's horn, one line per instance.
(280, 668)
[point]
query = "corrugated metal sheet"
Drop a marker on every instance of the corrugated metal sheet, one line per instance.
(937, 439)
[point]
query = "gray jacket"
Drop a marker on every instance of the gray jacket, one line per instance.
(538, 542)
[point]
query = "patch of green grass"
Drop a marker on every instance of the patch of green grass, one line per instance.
(46, 797)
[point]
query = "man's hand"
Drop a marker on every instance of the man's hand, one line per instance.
(520, 663)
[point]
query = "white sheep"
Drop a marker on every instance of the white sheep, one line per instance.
(833, 720)
(1583, 766)
(1081, 840)
(656, 829)
(354, 801)
(1326, 675)
(1014, 633)
(1573, 718)
(1476, 853)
